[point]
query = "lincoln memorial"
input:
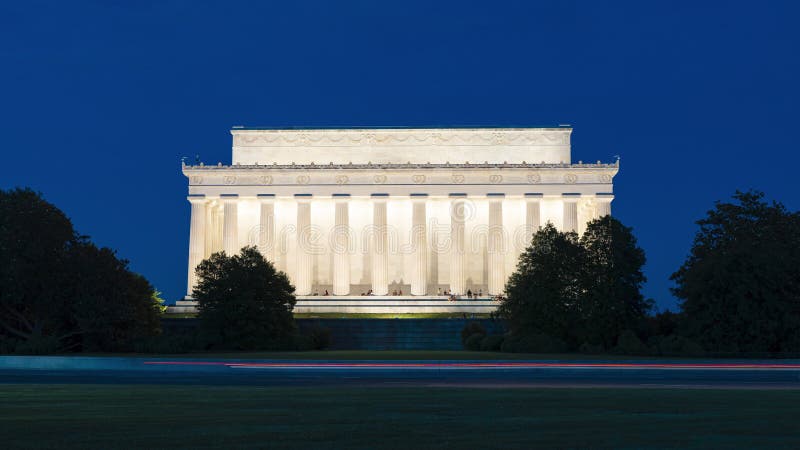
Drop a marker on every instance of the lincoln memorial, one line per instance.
(392, 214)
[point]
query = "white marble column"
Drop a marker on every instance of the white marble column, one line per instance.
(533, 214)
(230, 226)
(603, 205)
(208, 247)
(496, 246)
(197, 235)
(305, 262)
(380, 247)
(458, 280)
(340, 245)
(212, 227)
(218, 212)
(570, 212)
(419, 245)
(266, 227)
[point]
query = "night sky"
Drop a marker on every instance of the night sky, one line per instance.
(100, 100)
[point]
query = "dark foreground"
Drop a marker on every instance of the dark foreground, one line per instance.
(158, 416)
(768, 374)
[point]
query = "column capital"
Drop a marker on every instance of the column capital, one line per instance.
(303, 198)
(379, 197)
(266, 198)
(418, 197)
(196, 198)
(570, 197)
(533, 196)
(340, 198)
(495, 196)
(604, 197)
(228, 198)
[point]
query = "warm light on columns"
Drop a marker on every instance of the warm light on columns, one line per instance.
(305, 262)
(570, 212)
(533, 214)
(496, 246)
(458, 282)
(341, 245)
(603, 204)
(266, 225)
(197, 236)
(419, 245)
(380, 247)
(230, 224)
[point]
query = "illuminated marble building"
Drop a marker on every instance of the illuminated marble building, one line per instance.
(385, 211)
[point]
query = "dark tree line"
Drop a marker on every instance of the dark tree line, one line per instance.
(740, 285)
(739, 288)
(571, 291)
(59, 291)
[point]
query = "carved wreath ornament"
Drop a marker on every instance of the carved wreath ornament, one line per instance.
(266, 179)
(458, 179)
(495, 179)
(605, 178)
(570, 178)
(342, 179)
(379, 179)
(196, 179)
(418, 179)
(534, 178)
(303, 179)
(229, 180)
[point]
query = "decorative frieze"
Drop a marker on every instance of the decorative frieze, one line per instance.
(399, 137)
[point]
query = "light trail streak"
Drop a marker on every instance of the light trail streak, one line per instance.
(482, 365)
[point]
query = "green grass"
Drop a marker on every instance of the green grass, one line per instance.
(388, 316)
(358, 316)
(179, 315)
(119, 416)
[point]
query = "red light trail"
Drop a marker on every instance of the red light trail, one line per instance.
(481, 365)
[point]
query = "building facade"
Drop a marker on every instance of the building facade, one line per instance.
(420, 212)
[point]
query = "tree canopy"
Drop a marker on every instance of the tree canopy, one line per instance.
(58, 291)
(612, 300)
(740, 285)
(578, 290)
(244, 302)
(544, 293)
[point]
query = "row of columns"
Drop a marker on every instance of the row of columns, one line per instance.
(201, 219)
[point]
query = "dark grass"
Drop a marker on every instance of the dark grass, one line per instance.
(391, 316)
(451, 315)
(122, 416)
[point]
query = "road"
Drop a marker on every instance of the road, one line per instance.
(763, 374)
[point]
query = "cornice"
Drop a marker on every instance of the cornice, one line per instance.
(516, 174)
(401, 137)
(394, 166)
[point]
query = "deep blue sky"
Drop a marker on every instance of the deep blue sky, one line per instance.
(101, 99)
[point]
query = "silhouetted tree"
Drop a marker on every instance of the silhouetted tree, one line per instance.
(581, 292)
(740, 285)
(543, 295)
(612, 301)
(110, 305)
(244, 302)
(60, 292)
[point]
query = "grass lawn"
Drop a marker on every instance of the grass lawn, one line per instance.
(359, 316)
(389, 316)
(140, 416)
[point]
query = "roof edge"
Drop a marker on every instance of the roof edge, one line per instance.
(389, 128)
